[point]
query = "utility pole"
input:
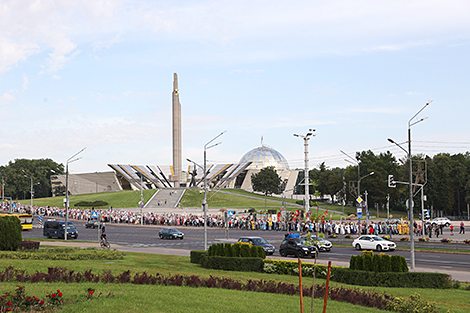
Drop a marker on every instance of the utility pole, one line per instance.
(367, 206)
(388, 205)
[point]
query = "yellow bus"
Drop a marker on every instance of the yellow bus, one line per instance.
(26, 219)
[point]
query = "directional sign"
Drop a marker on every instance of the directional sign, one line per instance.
(359, 199)
(230, 213)
(368, 213)
(94, 214)
(40, 218)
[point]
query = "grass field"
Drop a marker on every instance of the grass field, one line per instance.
(129, 298)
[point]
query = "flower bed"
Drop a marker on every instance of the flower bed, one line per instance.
(467, 241)
(333, 236)
(348, 236)
(446, 240)
(386, 237)
(423, 239)
(404, 239)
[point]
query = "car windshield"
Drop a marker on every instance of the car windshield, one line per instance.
(68, 227)
(376, 238)
(302, 241)
(260, 241)
(173, 231)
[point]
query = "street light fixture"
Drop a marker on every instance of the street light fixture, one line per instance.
(306, 138)
(69, 160)
(410, 185)
(32, 191)
(204, 201)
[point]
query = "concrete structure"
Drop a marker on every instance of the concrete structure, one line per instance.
(175, 178)
(86, 183)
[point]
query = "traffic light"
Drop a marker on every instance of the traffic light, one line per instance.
(391, 182)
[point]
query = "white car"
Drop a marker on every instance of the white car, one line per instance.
(371, 242)
(441, 221)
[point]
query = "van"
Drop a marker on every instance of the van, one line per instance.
(57, 229)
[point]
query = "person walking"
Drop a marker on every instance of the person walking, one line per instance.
(451, 230)
(462, 228)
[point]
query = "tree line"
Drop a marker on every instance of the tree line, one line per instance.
(17, 177)
(446, 180)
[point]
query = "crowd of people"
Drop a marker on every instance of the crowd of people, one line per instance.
(246, 221)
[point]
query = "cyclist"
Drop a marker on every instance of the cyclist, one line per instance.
(104, 241)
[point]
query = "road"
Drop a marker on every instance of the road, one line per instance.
(145, 239)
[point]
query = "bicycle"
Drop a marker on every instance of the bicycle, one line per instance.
(105, 244)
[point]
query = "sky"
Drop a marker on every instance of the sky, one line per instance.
(99, 74)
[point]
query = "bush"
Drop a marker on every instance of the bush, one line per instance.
(10, 232)
(28, 245)
(414, 304)
(292, 268)
(378, 263)
(393, 279)
(197, 256)
(244, 250)
(64, 254)
(233, 264)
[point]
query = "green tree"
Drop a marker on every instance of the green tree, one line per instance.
(266, 181)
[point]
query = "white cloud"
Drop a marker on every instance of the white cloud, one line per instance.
(6, 98)
(103, 45)
(25, 82)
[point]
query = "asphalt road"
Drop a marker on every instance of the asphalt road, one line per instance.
(133, 237)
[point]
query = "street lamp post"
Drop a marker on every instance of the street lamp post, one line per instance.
(3, 190)
(204, 201)
(410, 185)
(306, 179)
(69, 160)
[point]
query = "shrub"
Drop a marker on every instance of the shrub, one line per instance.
(376, 263)
(197, 256)
(393, 279)
(414, 304)
(367, 261)
(233, 264)
(245, 250)
(292, 268)
(10, 232)
(28, 245)
(385, 263)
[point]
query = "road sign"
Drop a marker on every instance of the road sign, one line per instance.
(368, 214)
(408, 204)
(40, 218)
(359, 212)
(94, 214)
(230, 213)
(359, 199)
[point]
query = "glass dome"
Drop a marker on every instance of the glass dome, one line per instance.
(265, 156)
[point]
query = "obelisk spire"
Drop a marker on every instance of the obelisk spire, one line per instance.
(177, 157)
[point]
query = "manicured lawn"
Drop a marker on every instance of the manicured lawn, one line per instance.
(128, 297)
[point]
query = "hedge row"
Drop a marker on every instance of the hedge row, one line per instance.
(392, 279)
(233, 263)
(10, 232)
(361, 278)
(28, 245)
(237, 250)
(382, 262)
(64, 254)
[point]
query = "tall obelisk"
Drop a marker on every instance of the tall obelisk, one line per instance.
(177, 158)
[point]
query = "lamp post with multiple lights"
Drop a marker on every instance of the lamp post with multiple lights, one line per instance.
(306, 138)
(66, 200)
(410, 184)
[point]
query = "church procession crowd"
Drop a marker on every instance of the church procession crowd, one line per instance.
(246, 222)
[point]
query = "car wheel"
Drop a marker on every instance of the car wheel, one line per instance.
(358, 247)
(298, 254)
(447, 225)
(283, 253)
(160, 235)
(379, 248)
(181, 238)
(49, 236)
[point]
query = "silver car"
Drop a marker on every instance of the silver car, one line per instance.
(371, 242)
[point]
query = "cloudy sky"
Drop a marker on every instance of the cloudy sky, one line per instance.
(98, 74)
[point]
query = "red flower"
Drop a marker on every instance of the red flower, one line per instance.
(54, 295)
(8, 310)
(60, 294)
(90, 292)
(9, 303)
(41, 303)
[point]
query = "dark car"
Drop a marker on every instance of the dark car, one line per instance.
(261, 242)
(57, 229)
(170, 233)
(322, 243)
(92, 224)
(297, 247)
